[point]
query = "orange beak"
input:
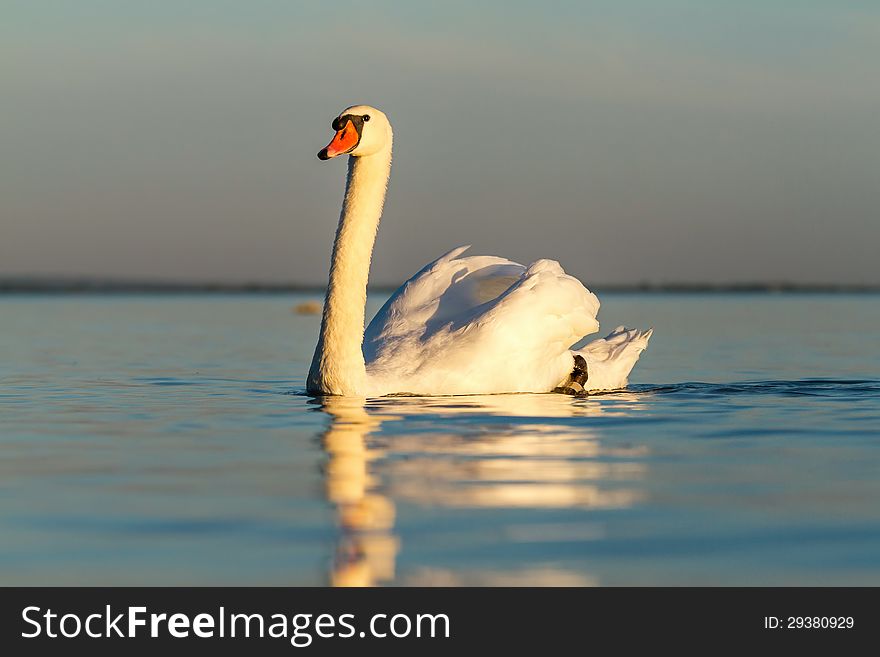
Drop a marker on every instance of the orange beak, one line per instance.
(344, 141)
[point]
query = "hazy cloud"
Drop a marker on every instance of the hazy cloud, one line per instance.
(630, 140)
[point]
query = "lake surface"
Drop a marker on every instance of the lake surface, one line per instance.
(166, 440)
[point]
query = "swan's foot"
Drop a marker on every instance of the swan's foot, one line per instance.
(577, 378)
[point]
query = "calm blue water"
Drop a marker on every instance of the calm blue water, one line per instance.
(166, 440)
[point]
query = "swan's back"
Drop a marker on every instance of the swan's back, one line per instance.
(479, 324)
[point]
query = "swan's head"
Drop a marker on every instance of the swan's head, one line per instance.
(360, 130)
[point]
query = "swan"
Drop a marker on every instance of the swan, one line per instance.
(461, 325)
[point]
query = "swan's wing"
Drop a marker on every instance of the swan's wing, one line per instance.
(479, 325)
(442, 291)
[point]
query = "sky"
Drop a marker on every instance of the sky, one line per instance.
(632, 140)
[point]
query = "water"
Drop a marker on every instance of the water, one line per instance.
(166, 440)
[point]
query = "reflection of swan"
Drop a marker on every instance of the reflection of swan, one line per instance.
(381, 459)
(462, 325)
(367, 552)
(530, 464)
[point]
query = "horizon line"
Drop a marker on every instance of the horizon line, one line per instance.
(110, 285)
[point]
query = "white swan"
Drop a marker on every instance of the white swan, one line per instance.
(462, 325)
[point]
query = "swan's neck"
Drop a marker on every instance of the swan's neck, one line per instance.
(338, 365)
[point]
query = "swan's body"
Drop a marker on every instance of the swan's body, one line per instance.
(462, 325)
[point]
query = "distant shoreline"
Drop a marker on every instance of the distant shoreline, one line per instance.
(111, 287)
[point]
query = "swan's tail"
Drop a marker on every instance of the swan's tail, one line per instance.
(611, 359)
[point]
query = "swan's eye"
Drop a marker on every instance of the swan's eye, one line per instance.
(366, 117)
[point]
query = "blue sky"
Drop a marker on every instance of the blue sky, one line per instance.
(631, 140)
